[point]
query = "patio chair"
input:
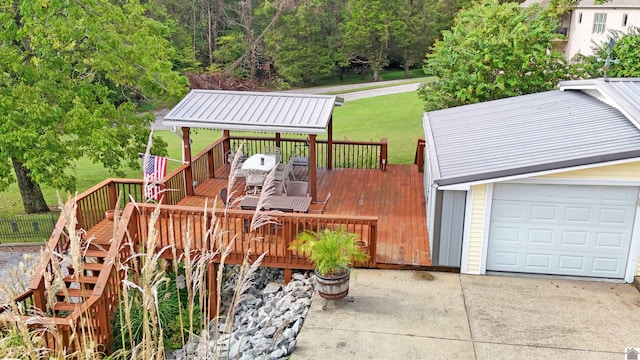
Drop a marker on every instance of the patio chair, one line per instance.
(254, 180)
(300, 157)
(296, 188)
(223, 196)
(274, 150)
(319, 206)
(284, 172)
(279, 188)
(231, 154)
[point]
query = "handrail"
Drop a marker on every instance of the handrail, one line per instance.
(346, 153)
(274, 239)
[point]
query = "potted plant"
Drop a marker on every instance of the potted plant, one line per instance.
(332, 251)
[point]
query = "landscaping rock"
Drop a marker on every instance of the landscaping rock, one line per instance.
(265, 323)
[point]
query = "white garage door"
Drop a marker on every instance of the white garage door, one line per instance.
(561, 229)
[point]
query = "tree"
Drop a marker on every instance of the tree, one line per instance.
(623, 56)
(494, 51)
(314, 23)
(367, 31)
(69, 75)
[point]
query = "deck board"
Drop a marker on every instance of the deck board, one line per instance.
(395, 196)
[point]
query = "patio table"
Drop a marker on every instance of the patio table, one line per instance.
(260, 162)
(282, 203)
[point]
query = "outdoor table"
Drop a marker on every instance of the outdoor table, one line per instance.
(282, 203)
(260, 162)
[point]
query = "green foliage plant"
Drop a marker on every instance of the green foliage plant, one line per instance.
(70, 75)
(623, 56)
(332, 251)
(495, 51)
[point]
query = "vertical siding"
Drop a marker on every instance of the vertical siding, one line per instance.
(628, 171)
(476, 228)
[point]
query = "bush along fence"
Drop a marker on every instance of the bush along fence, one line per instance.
(27, 227)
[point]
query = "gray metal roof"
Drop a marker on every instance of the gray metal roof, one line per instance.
(253, 111)
(526, 134)
(621, 93)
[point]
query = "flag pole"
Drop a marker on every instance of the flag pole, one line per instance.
(170, 159)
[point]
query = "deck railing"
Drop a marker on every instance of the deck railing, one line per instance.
(99, 307)
(345, 153)
(94, 202)
(273, 238)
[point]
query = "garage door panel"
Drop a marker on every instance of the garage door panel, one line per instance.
(583, 230)
(571, 264)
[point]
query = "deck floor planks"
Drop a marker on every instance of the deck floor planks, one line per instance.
(395, 196)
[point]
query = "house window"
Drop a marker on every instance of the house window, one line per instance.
(625, 17)
(599, 22)
(579, 18)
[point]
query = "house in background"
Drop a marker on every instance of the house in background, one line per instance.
(546, 183)
(589, 25)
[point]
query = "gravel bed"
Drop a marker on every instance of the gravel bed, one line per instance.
(10, 258)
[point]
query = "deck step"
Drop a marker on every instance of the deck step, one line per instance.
(90, 266)
(81, 279)
(74, 293)
(95, 253)
(65, 306)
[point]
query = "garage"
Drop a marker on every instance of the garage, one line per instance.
(575, 230)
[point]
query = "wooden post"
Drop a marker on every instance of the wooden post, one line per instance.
(287, 276)
(383, 154)
(113, 196)
(213, 290)
(212, 167)
(330, 144)
(186, 151)
(278, 139)
(39, 299)
(226, 144)
(312, 166)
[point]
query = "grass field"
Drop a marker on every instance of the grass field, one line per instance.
(396, 117)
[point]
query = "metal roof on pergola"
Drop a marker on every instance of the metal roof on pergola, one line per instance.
(257, 112)
(254, 111)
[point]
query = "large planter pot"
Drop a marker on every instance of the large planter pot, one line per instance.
(334, 287)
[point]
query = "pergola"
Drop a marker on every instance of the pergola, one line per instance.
(279, 113)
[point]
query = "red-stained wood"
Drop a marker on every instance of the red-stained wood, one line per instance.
(395, 196)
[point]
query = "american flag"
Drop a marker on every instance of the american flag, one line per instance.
(155, 168)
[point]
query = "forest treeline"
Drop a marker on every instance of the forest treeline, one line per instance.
(300, 42)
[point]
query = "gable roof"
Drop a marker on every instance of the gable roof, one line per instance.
(253, 111)
(528, 134)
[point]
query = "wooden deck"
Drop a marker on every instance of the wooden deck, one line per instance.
(395, 196)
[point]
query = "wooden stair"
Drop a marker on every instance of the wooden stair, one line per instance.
(79, 286)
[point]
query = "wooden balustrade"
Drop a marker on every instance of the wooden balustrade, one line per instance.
(346, 153)
(208, 160)
(94, 202)
(273, 238)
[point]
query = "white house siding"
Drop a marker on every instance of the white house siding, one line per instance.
(581, 38)
(621, 172)
(476, 228)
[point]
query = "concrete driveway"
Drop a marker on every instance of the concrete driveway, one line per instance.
(403, 315)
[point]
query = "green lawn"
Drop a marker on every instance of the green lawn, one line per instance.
(396, 117)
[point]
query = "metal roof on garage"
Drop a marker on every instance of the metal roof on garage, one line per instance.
(526, 134)
(254, 111)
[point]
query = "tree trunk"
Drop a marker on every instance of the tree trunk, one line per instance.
(376, 74)
(406, 71)
(32, 197)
